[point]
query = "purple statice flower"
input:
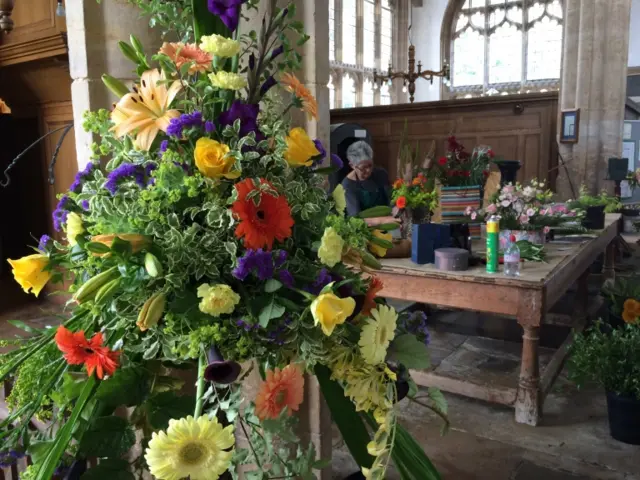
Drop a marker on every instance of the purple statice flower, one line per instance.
(186, 120)
(164, 146)
(174, 129)
(281, 257)
(286, 278)
(254, 260)
(125, 170)
(45, 241)
(416, 323)
(248, 116)
(277, 52)
(227, 10)
(60, 213)
(80, 176)
(247, 327)
(268, 84)
(209, 126)
(336, 161)
(84, 204)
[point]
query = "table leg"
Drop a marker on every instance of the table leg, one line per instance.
(581, 301)
(608, 272)
(529, 397)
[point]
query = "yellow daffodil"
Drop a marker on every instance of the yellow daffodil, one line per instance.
(145, 111)
(300, 148)
(339, 198)
(30, 272)
(219, 46)
(377, 333)
(197, 449)
(4, 108)
(228, 80)
(377, 250)
(213, 159)
(329, 310)
(331, 245)
(74, 228)
(217, 299)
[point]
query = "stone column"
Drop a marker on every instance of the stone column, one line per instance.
(94, 30)
(594, 70)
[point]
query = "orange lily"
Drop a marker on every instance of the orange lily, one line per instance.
(146, 111)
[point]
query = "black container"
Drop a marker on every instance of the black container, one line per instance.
(618, 168)
(508, 171)
(613, 320)
(594, 219)
(624, 418)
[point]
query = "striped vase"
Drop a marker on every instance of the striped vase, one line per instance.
(455, 200)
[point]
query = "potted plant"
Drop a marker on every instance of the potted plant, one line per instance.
(613, 360)
(595, 207)
(526, 212)
(617, 295)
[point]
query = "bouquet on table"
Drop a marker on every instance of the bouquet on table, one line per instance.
(418, 197)
(459, 168)
(201, 240)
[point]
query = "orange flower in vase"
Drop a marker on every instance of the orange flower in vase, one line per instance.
(78, 351)
(401, 202)
(375, 286)
(181, 54)
(282, 388)
(309, 103)
(631, 311)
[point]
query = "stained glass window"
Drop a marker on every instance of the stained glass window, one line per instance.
(357, 48)
(506, 46)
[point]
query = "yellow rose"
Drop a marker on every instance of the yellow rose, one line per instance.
(30, 272)
(217, 299)
(228, 80)
(300, 148)
(328, 310)
(331, 245)
(339, 199)
(74, 228)
(377, 250)
(213, 161)
(219, 45)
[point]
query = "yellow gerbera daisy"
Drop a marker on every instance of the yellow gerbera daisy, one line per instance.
(377, 334)
(196, 449)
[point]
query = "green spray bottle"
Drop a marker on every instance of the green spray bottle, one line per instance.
(493, 245)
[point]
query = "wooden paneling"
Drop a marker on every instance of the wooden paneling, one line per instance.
(516, 127)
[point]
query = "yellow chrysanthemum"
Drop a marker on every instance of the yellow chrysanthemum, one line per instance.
(377, 334)
(74, 227)
(217, 299)
(377, 250)
(30, 272)
(340, 199)
(331, 245)
(329, 310)
(228, 80)
(196, 449)
(219, 45)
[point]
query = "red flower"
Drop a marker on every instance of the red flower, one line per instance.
(442, 161)
(485, 173)
(490, 153)
(78, 350)
(263, 218)
(401, 202)
(467, 173)
(375, 286)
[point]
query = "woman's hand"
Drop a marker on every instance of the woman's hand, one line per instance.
(375, 221)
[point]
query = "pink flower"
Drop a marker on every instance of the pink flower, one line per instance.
(560, 209)
(505, 203)
(473, 215)
(524, 219)
(546, 230)
(508, 189)
(468, 210)
(492, 208)
(531, 212)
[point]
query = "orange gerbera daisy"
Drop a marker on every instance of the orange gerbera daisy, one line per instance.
(631, 311)
(78, 350)
(263, 218)
(281, 389)
(375, 286)
(309, 104)
(189, 53)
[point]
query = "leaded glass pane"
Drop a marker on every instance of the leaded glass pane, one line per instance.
(348, 92)
(349, 54)
(369, 25)
(367, 94)
(544, 53)
(505, 55)
(468, 59)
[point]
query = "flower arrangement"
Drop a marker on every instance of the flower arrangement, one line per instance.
(622, 296)
(610, 203)
(634, 178)
(460, 168)
(523, 207)
(416, 194)
(206, 244)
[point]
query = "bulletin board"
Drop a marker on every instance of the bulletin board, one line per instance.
(630, 145)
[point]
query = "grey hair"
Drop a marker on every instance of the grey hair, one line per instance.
(359, 152)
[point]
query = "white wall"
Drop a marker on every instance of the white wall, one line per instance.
(425, 33)
(634, 37)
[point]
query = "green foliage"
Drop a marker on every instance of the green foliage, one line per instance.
(617, 291)
(109, 469)
(353, 230)
(107, 437)
(162, 407)
(171, 17)
(611, 203)
(407, 350)
(611, 357)
(416, 194)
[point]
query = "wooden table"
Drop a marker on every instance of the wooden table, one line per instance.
(526, 298)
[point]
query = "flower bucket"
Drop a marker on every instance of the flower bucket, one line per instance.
(426, 239)
(537, 237)
(624, 418)
(454, 202)
(594, 219)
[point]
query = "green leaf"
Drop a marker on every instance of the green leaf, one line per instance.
(272, 285)
(38, 450)
(129, 386)
(23, 326)
(279, 429)
(410, 352)
(167, 405)
(270, 311)
(438, 399)
(120, 246)
(379, 211)
(349, 422)
(381, 242)
(107, 437)
(413, 388)
(97, 247)
(387, 227)
(72, 385)
(109, 469)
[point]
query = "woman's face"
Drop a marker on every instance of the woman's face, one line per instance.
(364, 169)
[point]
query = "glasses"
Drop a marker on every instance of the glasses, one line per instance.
(364, 167)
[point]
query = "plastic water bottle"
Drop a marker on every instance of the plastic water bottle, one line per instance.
(512, 258)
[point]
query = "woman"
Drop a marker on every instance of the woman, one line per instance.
(366, 186)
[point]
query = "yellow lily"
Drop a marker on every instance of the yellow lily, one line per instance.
(145, 111)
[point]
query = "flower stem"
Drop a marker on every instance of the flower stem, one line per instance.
(202, 364)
